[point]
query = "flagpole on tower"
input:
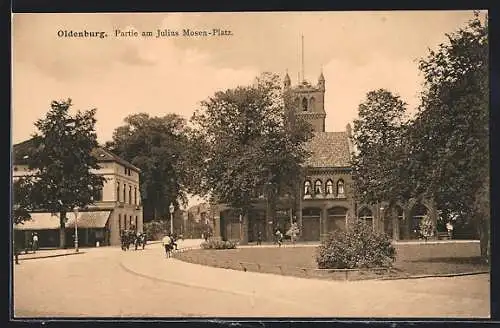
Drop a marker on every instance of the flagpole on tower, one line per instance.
(303, 73)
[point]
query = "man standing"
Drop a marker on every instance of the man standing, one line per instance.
(35, 242)
(449, 227)
(279, 237)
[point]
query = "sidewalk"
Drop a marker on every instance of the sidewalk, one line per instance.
(46, 253)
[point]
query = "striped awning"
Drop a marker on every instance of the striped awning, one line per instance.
(48, 221)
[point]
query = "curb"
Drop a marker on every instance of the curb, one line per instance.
(49, 256)
(443, 275)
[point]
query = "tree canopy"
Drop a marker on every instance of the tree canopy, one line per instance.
(450, 134)
(380, 161)
(62, 161)
(159, 146)
(22, 205)
(251, 139)
(442, 154)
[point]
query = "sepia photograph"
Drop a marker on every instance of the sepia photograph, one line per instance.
(329, 164)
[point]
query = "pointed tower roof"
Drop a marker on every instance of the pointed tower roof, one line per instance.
(321, 76)
(287, 77)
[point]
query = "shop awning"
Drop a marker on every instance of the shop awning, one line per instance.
(48, 221)
(40, 221)
(97, 219)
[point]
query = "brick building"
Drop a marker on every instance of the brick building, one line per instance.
(326, 201)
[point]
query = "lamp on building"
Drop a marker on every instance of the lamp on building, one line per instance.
(75, 211)
(171, 208)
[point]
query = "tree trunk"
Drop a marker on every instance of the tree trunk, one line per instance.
(62, 229)
(484, 239)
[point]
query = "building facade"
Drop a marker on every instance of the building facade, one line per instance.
(117, 206)
(327, 200)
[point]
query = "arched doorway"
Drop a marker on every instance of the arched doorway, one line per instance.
(401, 229)
(230, 225)
(388, 217)
(418, 212)
(336, 219)
(366, 216)
(310, 224)
(256, 224)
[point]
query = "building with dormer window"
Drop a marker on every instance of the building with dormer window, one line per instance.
(117, 206)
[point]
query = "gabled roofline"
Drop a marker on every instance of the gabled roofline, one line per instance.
(114, 158)
(118, 159)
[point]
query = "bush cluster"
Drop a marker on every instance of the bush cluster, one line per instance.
(218, 244)
(359, 247)
(154, 230)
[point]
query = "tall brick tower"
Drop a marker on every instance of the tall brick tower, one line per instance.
(309, 101)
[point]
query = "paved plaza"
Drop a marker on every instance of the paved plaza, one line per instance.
(107, 282)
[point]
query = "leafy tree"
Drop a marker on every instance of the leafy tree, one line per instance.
(22, 204)
(62, 160)
(251, 140)
(380, 162)
(159, 146)
(449, 136)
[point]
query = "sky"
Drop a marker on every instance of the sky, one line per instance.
(356, 51)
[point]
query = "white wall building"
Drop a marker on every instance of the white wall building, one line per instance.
(117, 206)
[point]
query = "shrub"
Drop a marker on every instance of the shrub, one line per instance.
(359, 247)
(218, 244)
(154, 230)
(426, 228)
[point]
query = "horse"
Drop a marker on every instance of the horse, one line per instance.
(127, 238)
(168, 249)
(140, 240)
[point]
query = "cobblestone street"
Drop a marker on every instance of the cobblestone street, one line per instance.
(107, 282)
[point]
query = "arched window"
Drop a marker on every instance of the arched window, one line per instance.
(317, 187)
(307, 187)
(304, 104)
(340, 188)
(312, 102)
(329, 187)
(130, 194)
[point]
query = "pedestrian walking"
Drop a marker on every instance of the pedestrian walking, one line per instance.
(259, 238)
(174, 240)
(279, 237)
(34, 245)
(167, 244)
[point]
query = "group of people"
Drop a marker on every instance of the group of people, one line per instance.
(129, 237)
(292, 233)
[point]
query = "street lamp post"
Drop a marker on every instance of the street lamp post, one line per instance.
(382, 219)
(75, 210)
(171, 208)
